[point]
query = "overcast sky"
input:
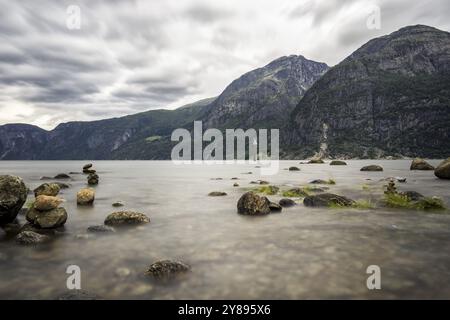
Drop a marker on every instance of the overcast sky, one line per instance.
(132, 56)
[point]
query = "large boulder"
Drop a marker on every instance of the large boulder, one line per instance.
(46, 203)
(85, 197)
(420, 164)
(167, 269)
(372, 167)
(126, 218)
(442, 171)
(47, 219)
(252, 204)
(13, 194)
(47, 189)
(327, 200)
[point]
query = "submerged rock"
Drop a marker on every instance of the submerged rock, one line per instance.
(372, 167)
(77, 295)
(442, 171)
(252, 204)
(101, 228)
(167, 269)
(126, 218)
(85, 197)
(315, 161)
(46, 203)
(61, 176)
(275, 207)
(118, 204)
(327, 200)
(47, 189)
(412, 195)
(13, 194)
(47, 219)
(217, 194)
(295, 192)
(420, 164)
(338, 163)
(30, 238)
(286, 203)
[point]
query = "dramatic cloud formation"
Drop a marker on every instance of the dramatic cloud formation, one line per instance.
(131, 56)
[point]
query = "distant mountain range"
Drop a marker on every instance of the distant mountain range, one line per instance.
(391, 97)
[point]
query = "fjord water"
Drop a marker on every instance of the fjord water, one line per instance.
(299, 253)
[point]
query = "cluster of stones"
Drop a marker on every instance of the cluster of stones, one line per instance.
(93, 177)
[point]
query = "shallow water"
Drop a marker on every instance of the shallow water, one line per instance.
(297, 254)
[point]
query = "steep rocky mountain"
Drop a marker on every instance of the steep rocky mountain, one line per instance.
(264, 98)
(390, 97)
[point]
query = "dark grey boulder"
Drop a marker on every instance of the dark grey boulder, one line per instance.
(31, 238)
(326, 200)
(13, 194)
(372, 167)
(252, 204)
(286, 203)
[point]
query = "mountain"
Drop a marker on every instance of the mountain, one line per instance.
(264, 96)
(390, 97)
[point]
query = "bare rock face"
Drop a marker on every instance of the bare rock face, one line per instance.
(327, 200)
(13, 194)
(85, 197)
(420, 164)
(252, 204)
(126, 218)
(443, 170)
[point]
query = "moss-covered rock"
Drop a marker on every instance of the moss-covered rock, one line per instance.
(327, 200)
(13, 194)
(252, 204)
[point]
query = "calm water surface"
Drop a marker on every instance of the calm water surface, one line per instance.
(297, 254)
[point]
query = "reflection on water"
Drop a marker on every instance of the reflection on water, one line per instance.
(300, 253)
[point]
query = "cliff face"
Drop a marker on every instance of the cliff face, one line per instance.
(21, 141)
(390, 97)
(264, 98)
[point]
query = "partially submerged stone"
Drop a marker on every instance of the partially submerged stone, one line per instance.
(47, 219)
(294, 169)
(327, 200)
(31, 238)
(286, 203)
(61, 176)
(275, 207)
(93, 179)
(47, 189)
(126, 218)
(316, 161)
(420, 164)
(217, 194)
(101, 229)
(13, 194)
(85, 197)
(252, 204)
(167, 269)
(338, 163)
(372, 167)
(442, 171)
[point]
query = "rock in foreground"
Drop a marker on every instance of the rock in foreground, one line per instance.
(327, 200)
(252, 204)
(126, 218)
(13, 194)
(47, 219)
(442, 171)
(420, 164)
(30, 238)
(46, 203)
(372, 167)
(167, 269)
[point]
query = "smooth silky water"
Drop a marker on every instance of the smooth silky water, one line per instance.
(299, 253)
